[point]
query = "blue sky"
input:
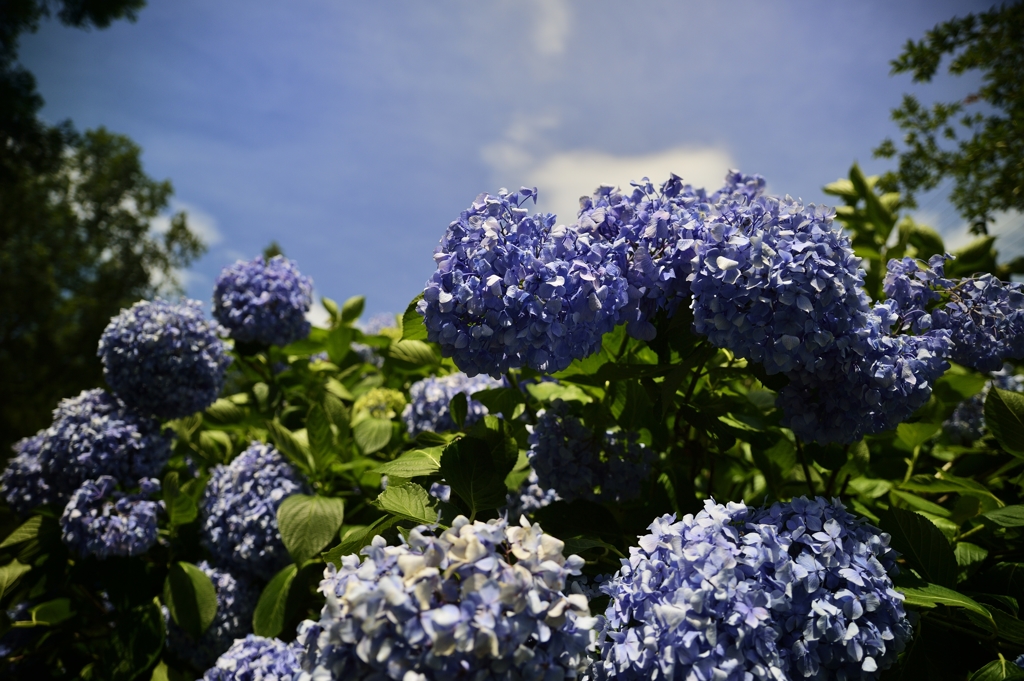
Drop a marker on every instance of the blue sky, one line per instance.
(352, 133)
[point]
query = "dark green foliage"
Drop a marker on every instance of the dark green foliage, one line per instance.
(977, 141)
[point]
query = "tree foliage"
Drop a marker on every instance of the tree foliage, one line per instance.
(76, 238)
(977, 141)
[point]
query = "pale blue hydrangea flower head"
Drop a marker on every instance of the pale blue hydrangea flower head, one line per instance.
(102, 521)
(871, 389)
(967, 422)
(240, 512)
(427, 410)
(529, 498)
(777, 283)
(255, 658)
(23, 484)
(514, 290)
(236, 601)
(164, 358)
(569, 458)
(93, 435)
(797, 590)
(263, 301)
(479, 600)
(985, 316)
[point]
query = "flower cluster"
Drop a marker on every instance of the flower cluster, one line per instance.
(23, 484)
(255, 658)
(240, 512)
(480, 600)
(870, 387)
(236, 601)
(92, 435)
(101, 521)
(775, 283)
(263, 301)
(381, 403)
(530, 497)
(797, 590)
(164, 358)
(967, 422)
(985, 316)
(570, 459)
(514, 290)
(427, 410)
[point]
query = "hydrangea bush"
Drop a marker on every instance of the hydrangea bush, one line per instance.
(685, 433)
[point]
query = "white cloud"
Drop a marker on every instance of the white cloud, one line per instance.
(200, 222)
(562, 178)
(551, 26)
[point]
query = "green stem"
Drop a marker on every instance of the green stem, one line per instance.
(911, 464)
(803, 464)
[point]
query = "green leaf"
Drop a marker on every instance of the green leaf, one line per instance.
(10, 573)
(1007, 516)
(1004, 417)
(415, 352)
(500, 400)
(225, 411)
(308, 523)
(998, 671)
(339, 342)
(408, 501)
(932, 595)
(476, 470)
(577, 545)
(337, 414)
(352, 308)
(545, 392)
(412, 322)
(372, 434)
(268, 619)
(413, 464)
(191, 598)
(287, 443)
(458, 407)
(913, 435)
(181, 508)
(922, 544)
(321, 439)
(26, 531)
(950, 483)
(969, 558)
(52, 612)
(352, 543)
(919, 504)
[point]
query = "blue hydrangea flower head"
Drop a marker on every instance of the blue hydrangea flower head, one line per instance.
(777, 283)
(844, 617)
(967, 422)
(164, 358)
(255, 658)
(514, 290)
(427, 410)
(23, 484)
(479, 600)
(240, 512)
(93, 435)
(873, 386)
(985, 316)
(101, 521)
(569, 458)
(797, 590)
(657, 232)
(236, 601)
(263, 301)
(530, 497)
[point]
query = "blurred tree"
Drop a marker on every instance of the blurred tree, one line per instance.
(77, 237)
(978, 141)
